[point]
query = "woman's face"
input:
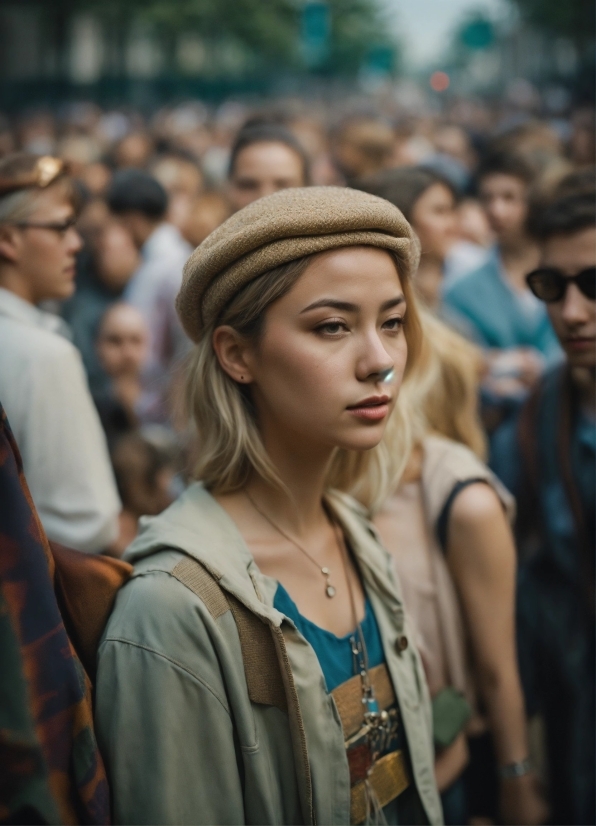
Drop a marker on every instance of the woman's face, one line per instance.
(435, 221)
(262, 169)
(316, 372)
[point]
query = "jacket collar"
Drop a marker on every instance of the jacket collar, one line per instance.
(197, 525)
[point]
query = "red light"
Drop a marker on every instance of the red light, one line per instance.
(439, 81)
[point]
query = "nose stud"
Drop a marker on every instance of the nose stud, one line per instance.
(385, 376)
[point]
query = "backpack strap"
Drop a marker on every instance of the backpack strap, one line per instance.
(203, 584)
(261, 665)
(269, 677)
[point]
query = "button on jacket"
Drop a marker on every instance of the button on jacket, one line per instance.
(44, 391)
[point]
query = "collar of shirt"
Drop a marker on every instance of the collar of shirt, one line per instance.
(16, 308)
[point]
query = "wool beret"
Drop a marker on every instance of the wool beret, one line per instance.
(278, 229)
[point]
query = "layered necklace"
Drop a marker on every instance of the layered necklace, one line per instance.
(378, 724)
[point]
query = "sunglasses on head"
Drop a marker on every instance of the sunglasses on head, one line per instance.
(549, 284)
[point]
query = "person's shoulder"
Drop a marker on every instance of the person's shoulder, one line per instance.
(154, 609)
(447, 462)
(450, 467)
(162, 623)
(475, 504)
(36, 344)
(470, 286)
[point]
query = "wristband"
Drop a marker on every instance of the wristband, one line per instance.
(517, 769)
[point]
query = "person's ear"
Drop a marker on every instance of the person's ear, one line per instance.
(9, 243)
(233, 353)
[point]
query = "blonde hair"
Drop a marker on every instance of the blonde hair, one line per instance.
(230, 445)
(440, 395)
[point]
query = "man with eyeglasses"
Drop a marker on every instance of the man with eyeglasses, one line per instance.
(548, 459)
(43, 387)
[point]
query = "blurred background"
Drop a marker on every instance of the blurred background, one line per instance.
(173, 114)
(358, 87)
(527, 54)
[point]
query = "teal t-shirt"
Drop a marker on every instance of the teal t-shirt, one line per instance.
(334, 653)
(495, 316)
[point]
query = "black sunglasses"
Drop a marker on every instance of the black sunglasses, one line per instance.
(61, 227)
(549, 284)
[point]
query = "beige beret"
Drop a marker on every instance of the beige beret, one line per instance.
(278, 229)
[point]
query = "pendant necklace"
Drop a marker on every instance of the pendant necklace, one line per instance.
(329, 588)
(377, 723)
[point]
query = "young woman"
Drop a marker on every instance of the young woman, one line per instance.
(446, 526)
(428, 201)
(258, 668)
(264, 158)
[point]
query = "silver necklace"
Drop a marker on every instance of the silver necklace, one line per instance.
(376, 720)
(329, 588)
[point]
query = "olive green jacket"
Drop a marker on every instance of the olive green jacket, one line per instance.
(211, 708)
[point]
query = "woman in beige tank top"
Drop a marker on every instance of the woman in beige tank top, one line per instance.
(446, 524)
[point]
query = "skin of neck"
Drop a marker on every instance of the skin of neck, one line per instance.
(303, 469)
(12, 280)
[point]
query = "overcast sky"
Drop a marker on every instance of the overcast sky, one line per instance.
(424, 26)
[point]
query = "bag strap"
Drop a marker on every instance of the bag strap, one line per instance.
(269, 677)
(261, 666)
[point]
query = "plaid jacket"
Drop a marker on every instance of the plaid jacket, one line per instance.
(50, 768)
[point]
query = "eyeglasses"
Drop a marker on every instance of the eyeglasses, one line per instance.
(550, 284)
(60, 227)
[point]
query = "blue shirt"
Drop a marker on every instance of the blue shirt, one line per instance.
(498, 316)
(334, 653)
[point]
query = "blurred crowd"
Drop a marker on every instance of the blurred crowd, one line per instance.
(149, 189)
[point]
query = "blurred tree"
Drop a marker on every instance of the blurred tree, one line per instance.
(357, 30)
(574, 19)
(158, 49)
(263, 34)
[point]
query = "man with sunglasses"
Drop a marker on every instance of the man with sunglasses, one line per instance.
(548, 459)
(43, 387)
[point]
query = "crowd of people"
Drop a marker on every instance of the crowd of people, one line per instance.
(357, 330)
